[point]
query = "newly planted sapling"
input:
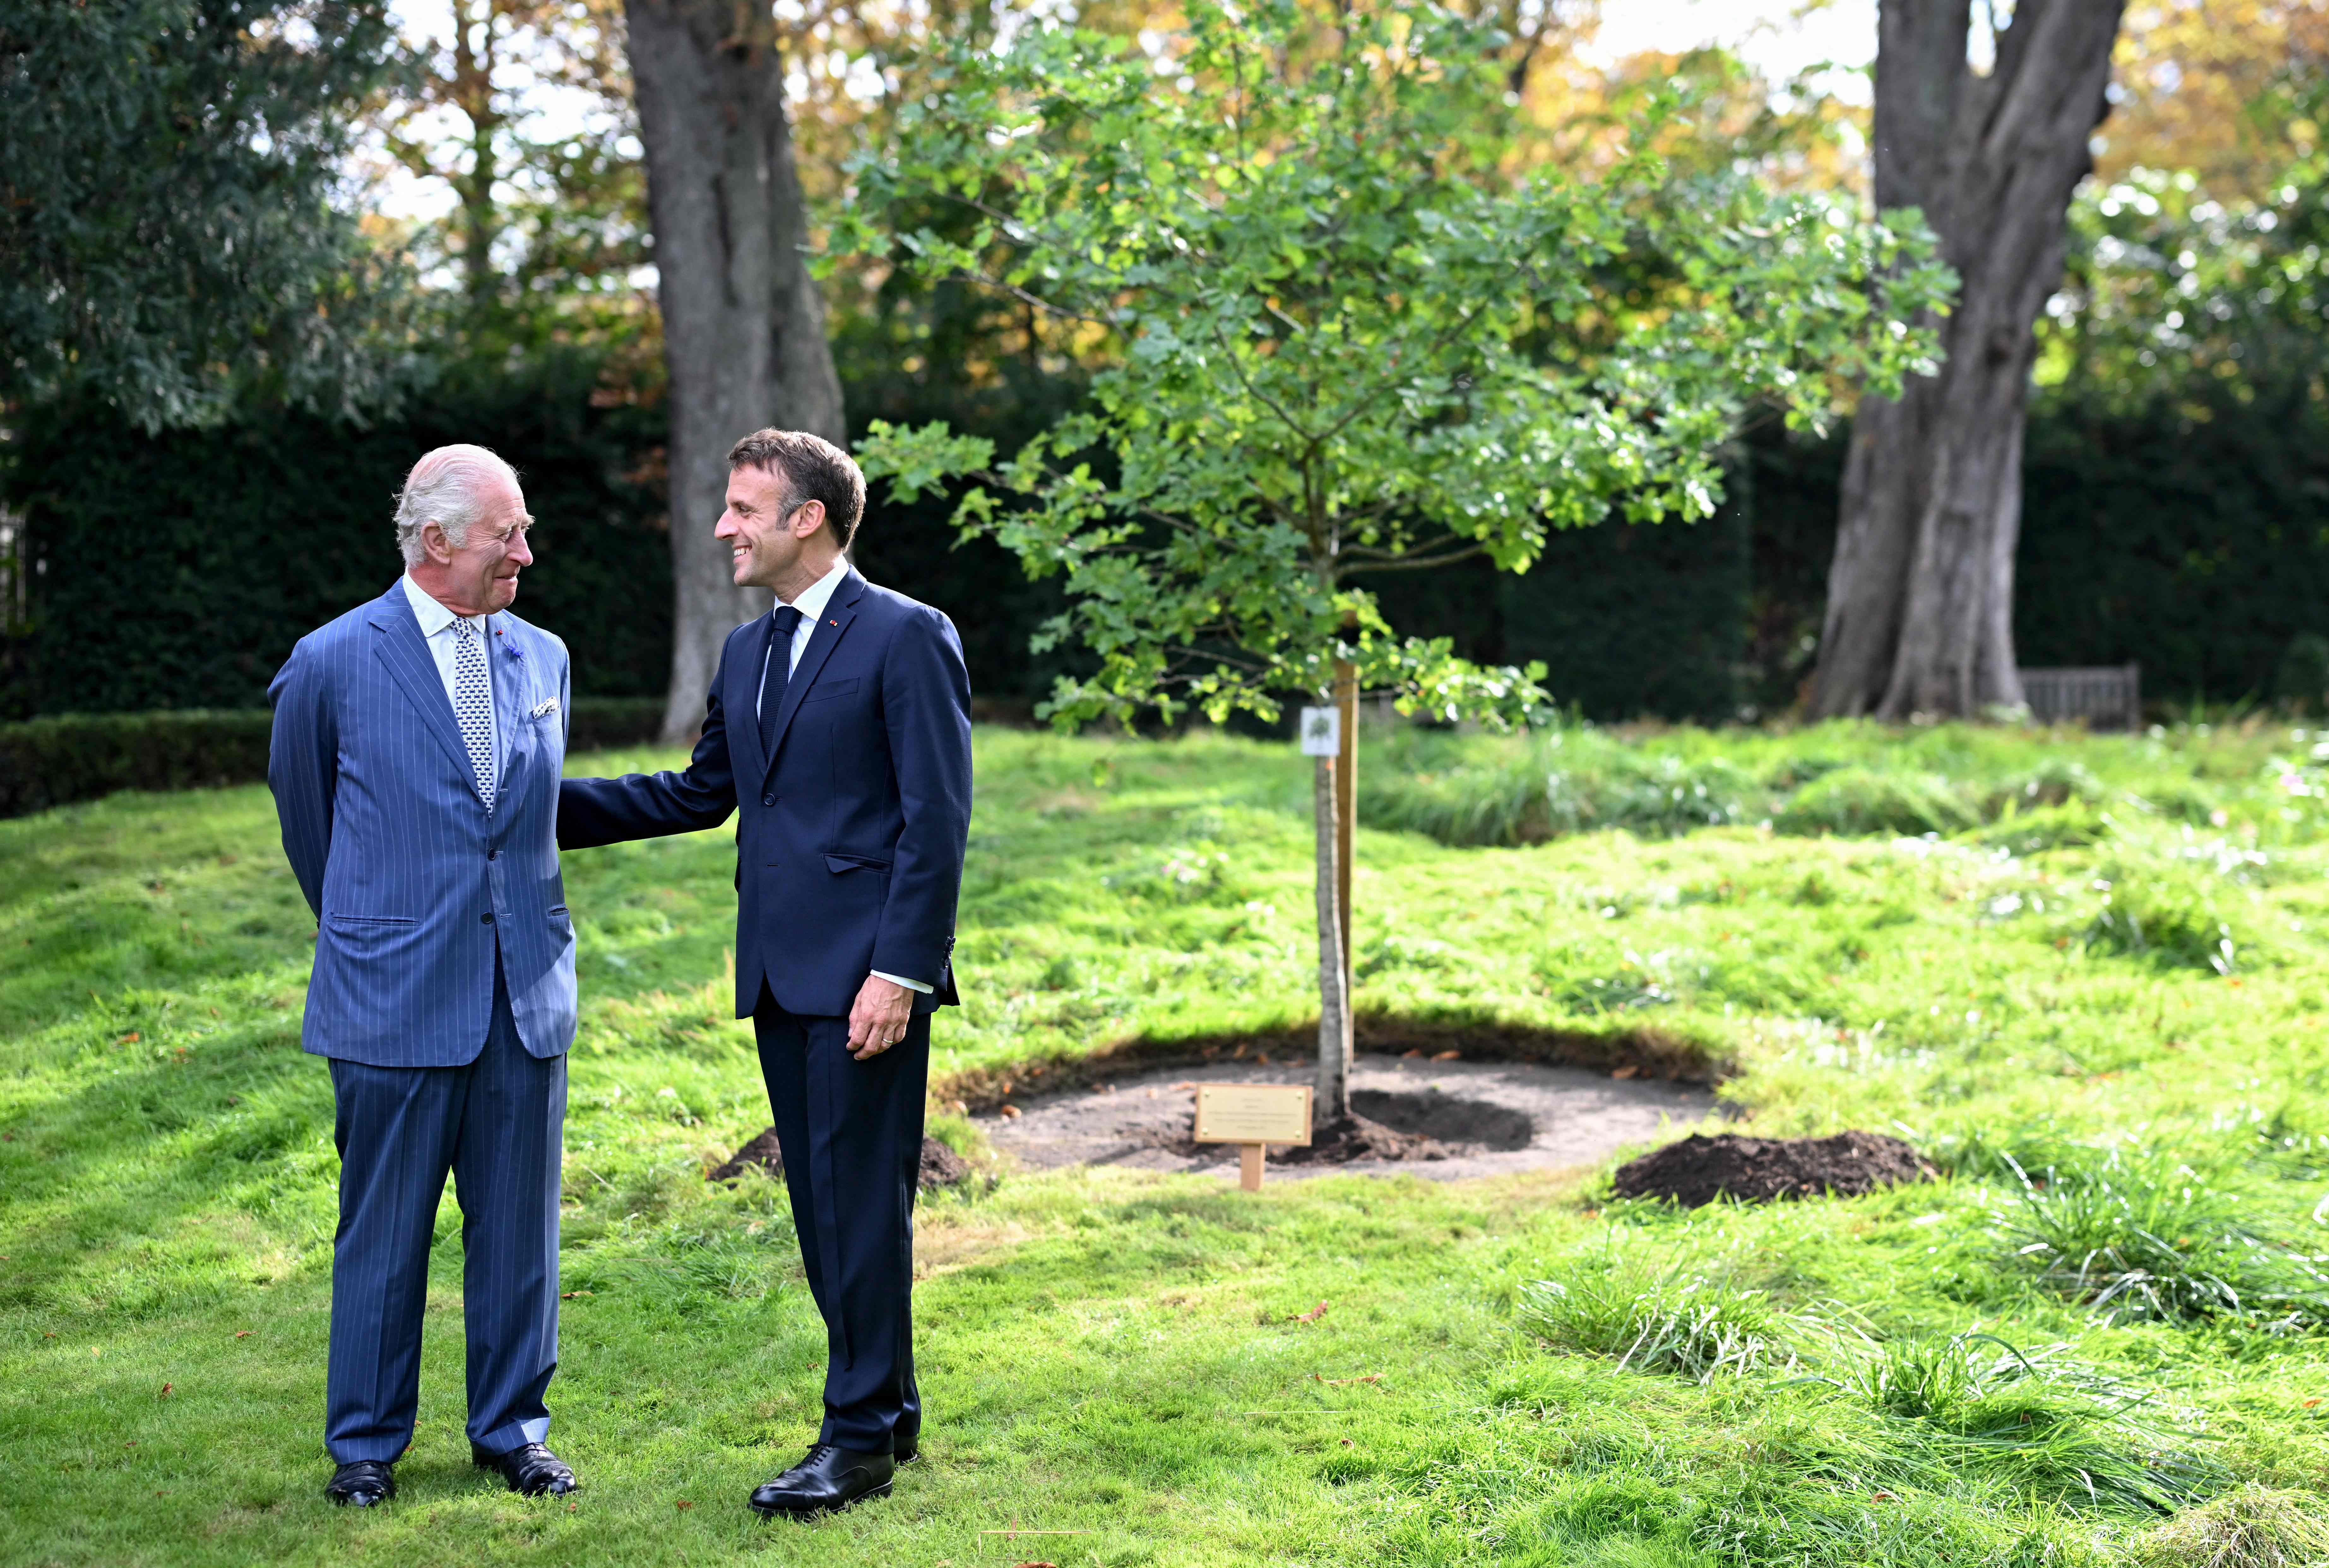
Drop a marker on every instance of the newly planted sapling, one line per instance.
(1344, 338)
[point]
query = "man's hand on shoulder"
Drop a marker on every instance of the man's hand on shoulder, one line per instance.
(878, 1022)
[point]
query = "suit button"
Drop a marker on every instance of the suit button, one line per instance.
(768, 800)
(487, 918)
(493, 854)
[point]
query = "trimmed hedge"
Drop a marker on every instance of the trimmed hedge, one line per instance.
(78, 756)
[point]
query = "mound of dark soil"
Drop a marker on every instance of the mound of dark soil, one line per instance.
(941, 1166)
(1357, 1138)
(1699, 1169)
(762, 1151)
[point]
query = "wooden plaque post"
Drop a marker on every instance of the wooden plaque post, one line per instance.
(1253, 1116)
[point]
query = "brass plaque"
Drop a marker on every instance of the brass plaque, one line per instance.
(1253, 1114)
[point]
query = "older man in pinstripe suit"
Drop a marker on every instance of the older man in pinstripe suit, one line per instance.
(417, 750)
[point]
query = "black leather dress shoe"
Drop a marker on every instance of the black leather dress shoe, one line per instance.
(531, 1468)
(830, 1478)
(361, 1483)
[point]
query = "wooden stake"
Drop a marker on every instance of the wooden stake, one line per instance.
(1334, 1040)
(1250, 1167)
(1346, 800)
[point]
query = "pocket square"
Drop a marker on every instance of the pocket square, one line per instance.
(547, 705)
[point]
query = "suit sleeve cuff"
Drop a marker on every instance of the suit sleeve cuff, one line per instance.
(901, 980)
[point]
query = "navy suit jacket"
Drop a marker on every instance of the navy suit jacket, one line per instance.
(850, 841)
(413, 883)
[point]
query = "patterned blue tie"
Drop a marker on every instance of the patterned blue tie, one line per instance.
(473, 705)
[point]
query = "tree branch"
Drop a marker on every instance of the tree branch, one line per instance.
(1415, 563)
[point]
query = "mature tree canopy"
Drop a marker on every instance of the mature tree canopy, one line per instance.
(167, 235)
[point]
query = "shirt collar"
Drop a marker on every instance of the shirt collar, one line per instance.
(819, 594)
(430, 611)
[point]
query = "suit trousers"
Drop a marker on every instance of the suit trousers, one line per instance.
(496, 1122)
(851, 1132)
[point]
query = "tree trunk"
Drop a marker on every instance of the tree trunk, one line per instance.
(743, 327)
(1335, 1042)
(1920, 593)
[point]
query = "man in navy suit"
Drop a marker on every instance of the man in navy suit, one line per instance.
(417, 748)
(840, 723)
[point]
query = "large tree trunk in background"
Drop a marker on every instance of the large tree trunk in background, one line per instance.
(743, 328)
(1920, 594)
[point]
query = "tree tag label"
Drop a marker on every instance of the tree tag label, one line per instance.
(1253, 1114)
(1322, 731)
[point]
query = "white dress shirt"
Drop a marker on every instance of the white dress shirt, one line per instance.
(811, 604)
(437, 631)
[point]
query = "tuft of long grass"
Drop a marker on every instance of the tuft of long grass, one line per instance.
(1672, 1323)
(1848, 780)
(1857, 801)
(2252, 1526)
(2138, 1239)
(2157, 909)
(2036, 1422)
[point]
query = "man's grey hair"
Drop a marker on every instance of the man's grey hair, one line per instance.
(445, 487)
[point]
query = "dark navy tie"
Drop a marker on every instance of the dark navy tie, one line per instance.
(782, 624)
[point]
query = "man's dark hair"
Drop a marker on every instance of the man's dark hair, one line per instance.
(813, 469)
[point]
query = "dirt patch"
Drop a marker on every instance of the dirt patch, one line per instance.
(1355, 1138)
(1640, 1050)
(1699, 1169)
(1434, 1119)
(1403, 1125)
(941, 1166)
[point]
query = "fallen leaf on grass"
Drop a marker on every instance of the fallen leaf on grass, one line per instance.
(1627, 1071)
(569, 1295)
(242, 1333)
(1348, 1443)
(2311, 1403)
(1313, 1315)
(1341, 1382)
(165, 1390)
(1042, 1564)
(128, 1039)
(1417, 1052)
(1448, 1056)
(1010, 1113)
(685, 1504)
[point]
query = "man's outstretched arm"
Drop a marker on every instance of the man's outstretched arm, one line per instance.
(641, 806)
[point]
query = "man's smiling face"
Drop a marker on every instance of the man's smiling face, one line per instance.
(756, 528)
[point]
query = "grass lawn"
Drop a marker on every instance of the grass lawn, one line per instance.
(2084, 975)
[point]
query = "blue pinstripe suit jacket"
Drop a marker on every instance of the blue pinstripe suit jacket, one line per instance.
(412, 881)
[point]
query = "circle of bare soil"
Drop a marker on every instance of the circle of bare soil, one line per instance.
(1699, 1169)
(1437, 1119)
